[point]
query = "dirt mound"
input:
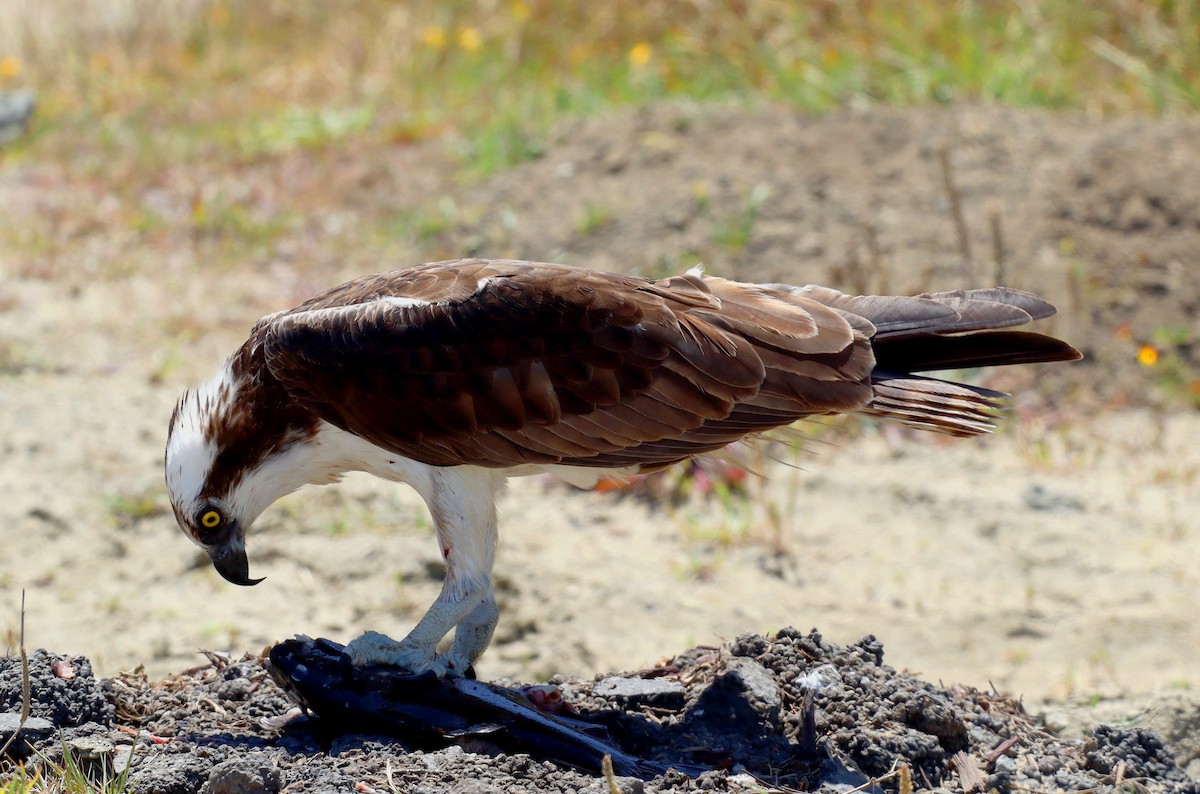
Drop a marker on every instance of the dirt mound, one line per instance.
(791, 711)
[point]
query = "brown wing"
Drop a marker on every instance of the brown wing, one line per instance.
(499, 363)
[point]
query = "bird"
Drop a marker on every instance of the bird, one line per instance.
(453, 376)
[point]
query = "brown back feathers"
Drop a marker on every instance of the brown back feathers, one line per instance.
(499, 363)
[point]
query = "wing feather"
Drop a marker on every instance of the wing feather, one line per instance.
(503, 363)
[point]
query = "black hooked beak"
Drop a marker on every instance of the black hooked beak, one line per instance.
(233, 565)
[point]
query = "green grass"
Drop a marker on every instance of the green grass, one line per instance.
(733, 233)
(127, 508)
(593, 219)
(244, 80)
(70, 775)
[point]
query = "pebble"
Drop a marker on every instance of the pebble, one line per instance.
(91, 748)
(1055, 720)
(1038, 497)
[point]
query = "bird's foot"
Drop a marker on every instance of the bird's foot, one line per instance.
(373, 648)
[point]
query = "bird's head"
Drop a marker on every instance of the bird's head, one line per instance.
(231, 452)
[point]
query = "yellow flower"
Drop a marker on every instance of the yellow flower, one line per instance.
(640, 54)
(218, 15)
(469, 39)
(1147, 355)
(520, 10)
(434, 37)
(10, 66)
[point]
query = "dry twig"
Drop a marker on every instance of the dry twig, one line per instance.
(956, 212)
(903, 772)
(607, 768)
(26, 699)
(969, 776)
(998, 253)
(1001, 749)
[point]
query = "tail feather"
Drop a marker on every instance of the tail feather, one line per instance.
(984, 349)
(1031, 304)
(960, 311)
(945, 330)
(885, 314)
(956, 409)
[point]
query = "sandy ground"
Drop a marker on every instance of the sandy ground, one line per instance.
(1056, 560)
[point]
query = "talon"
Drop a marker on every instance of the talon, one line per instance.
(373, 648)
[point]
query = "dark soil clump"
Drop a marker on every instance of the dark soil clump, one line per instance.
(62, 689)
(790, 712)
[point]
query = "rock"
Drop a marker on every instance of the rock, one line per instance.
(1055, 720)
(122, 758)
(251, 774)
(91, 748)
(175, 769)
(236, 689)
(743, 694)
(757, 686)
(642, 691)
(1176, 718)
(741, 714)
(35, 729)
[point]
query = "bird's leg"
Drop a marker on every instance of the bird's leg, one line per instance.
(462, 502)
(474, 632)
(417, 652)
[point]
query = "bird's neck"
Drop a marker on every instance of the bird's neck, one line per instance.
(290, 446)
(322, 457)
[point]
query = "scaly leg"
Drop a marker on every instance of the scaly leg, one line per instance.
(462, 502)
(474, 633)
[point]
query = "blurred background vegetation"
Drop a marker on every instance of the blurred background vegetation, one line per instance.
(243, 78)
(170, 131)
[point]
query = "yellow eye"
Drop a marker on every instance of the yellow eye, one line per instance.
(210, 519)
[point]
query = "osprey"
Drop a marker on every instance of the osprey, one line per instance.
(453, 376)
